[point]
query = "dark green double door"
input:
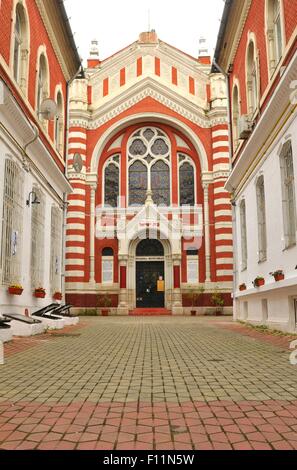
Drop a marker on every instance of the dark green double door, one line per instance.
(147, 276)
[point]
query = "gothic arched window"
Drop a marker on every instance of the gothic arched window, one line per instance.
(149, 166)
(112, 182)
(186, 181)
(20, 47)
(160, 180)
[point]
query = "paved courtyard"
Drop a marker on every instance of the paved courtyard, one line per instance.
(149, 383)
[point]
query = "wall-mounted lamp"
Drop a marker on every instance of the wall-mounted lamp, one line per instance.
(32, 199)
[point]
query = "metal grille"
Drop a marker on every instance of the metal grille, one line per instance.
(56, 236)
(261, 208)
(37, 240)
(12, 223)
(244, 252)
(289, 202)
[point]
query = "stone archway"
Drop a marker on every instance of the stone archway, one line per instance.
(165, 260)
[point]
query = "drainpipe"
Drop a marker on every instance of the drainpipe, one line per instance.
(234, 228)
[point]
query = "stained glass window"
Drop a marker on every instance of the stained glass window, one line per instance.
(160, 180)
(187, 185)
(150, 248)
(148, 150)
(160, 147)
(138, 148)
(137, 183)
(112, 185)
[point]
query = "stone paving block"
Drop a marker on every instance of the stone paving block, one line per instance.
(161, 392)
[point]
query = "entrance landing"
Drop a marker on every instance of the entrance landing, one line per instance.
(150, 312)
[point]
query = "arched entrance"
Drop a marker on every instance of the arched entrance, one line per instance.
(149, 259)
(150, 274)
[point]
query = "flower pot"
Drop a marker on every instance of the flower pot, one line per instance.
(39, 295)
(105, 313)
(57, 296)
(193, 313)
(15, 291)
(279, 277)
(260, 283)
(242, 288)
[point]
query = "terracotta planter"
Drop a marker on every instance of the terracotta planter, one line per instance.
(57, 296)
(15, 291)
(39, 295)
(260, 283)
(105, 313)
(279, 277)
(242, 288)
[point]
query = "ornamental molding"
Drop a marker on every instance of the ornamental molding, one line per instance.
(52, 37)
(167, 53)
(147, 88)
(239, 32)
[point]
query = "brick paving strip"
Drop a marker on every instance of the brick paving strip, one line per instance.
(148, 383)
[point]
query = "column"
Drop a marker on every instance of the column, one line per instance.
(123, 308)
(177, 306)
(92, 233)
(207, 231)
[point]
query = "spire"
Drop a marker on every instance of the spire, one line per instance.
(203, 51)
(94, 60)
(94, 50)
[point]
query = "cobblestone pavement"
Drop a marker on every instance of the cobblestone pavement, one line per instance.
(149, 383)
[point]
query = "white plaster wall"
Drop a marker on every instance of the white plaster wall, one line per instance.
(18, 304)
(279, 306)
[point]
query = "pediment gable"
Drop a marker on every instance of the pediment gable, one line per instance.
(152, 91)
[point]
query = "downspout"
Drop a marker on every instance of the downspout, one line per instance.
(234, 224)
(65, 203)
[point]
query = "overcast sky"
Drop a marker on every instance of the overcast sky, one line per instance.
(116, 24)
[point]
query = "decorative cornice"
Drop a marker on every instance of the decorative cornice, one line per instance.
(148, 88)
(53, 39)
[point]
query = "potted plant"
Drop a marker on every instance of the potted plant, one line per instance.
(106, 303)
(259, 281)
(218, 301)
(58, 296)
(194, 297)
(40, 293)
(278, 275)
(242, 287)
(15, 289)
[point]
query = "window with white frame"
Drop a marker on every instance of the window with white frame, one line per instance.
(235, 116)
(261, 211)
(20, 47)
(243, 231)
(112, 181)
(274, 33)
(252, 79)
(37, 240)
(288, 194)
(186, 180)
(56, 247)
(12, 223)
(42, 83)
(149, 155)
(59, 124)
(107, 266)
(193, 266)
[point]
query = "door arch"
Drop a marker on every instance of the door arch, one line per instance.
(155, 254)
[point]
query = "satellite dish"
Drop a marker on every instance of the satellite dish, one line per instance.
(49, 109)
